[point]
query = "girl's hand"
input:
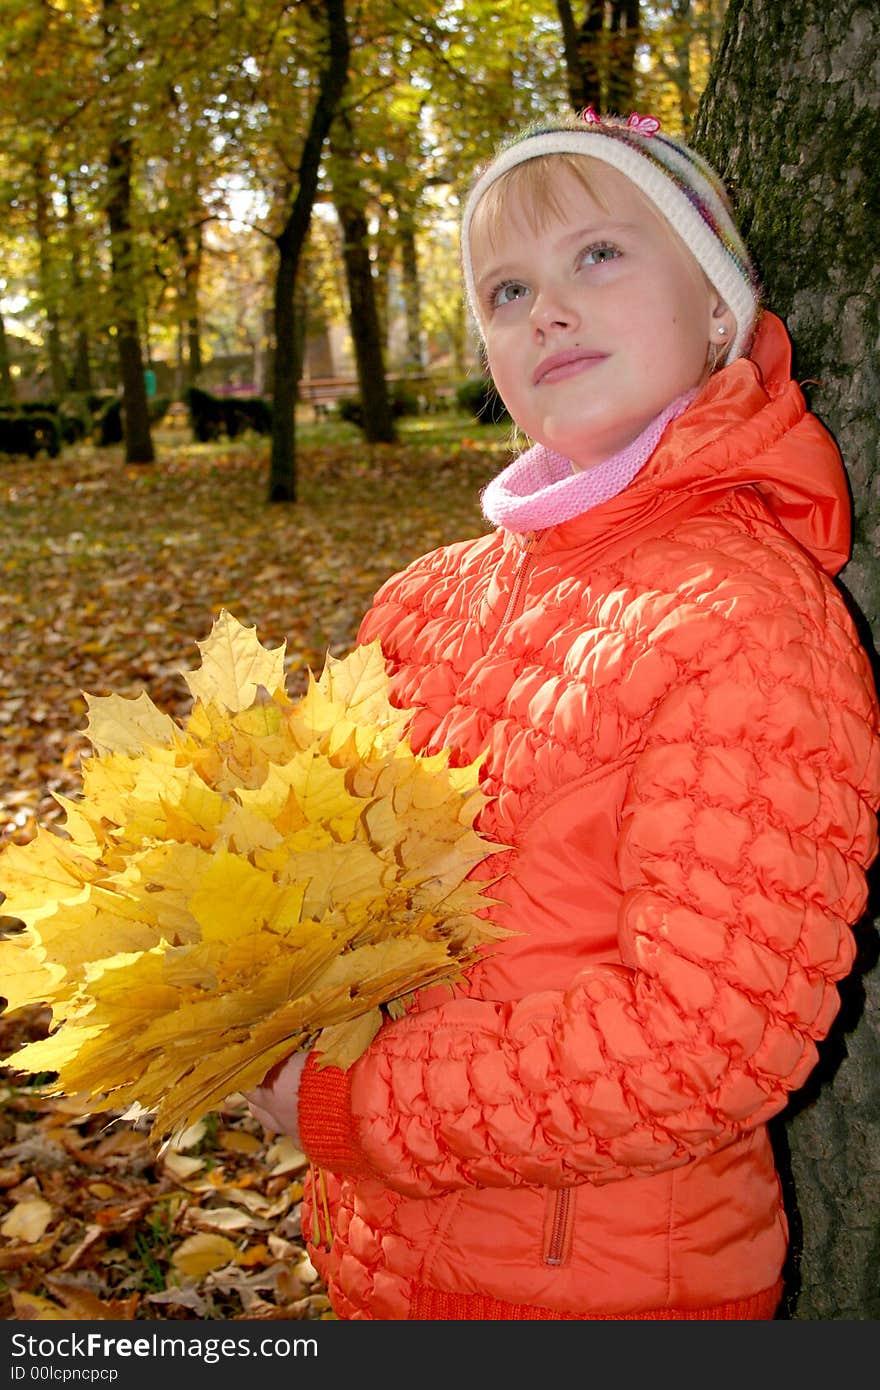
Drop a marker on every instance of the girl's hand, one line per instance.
(275, 1102)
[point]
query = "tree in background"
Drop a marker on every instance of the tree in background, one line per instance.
(600, 45)
(120, 50)
(350, 201)
(187, 123)
(790, 118)
(37, 123)
(80, 374)
(332, 78)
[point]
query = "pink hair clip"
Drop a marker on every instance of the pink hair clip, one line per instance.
(643, 125)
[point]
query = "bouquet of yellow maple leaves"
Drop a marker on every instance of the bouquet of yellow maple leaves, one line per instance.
(272, 874)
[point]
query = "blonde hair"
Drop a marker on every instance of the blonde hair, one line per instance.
(532, 188)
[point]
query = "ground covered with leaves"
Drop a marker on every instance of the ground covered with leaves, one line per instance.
(110, 575)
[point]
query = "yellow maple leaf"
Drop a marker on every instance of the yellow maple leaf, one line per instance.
(270, 874)
(119, 725)
(234, 666)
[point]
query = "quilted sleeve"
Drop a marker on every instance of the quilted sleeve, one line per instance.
(749, 822)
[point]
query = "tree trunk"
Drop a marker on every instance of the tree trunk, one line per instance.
(286, 368)
(192, 269)
(363, 310)
(683, 31)
(412, 296)
(600, 54)
(7, 386)
(189, 250)
(384, 250)
(790, 120)
(364, 323)
(81, 373)
(138, 440)
(625, 27)
(264, 370)
(366, 332)
(48, 277)
(581, 45)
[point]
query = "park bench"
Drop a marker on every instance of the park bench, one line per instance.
(323, 392)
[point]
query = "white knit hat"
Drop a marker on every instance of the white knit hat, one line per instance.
(680, 184)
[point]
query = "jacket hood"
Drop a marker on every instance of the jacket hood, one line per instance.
(749, 427)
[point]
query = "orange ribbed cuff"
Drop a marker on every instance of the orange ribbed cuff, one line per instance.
(436, 1306)
(325, 1120)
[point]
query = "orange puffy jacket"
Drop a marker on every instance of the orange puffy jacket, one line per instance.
(683, 753)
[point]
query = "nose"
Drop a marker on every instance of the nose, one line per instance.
(553, 308)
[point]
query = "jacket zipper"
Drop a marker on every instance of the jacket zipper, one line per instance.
(530, 541)
(559, 1232)
(556, 1250)
(322, 1229)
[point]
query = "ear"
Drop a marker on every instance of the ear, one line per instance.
(722, 326)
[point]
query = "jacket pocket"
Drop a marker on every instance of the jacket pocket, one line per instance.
(558, 1224)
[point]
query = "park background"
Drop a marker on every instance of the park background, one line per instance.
(236, 371)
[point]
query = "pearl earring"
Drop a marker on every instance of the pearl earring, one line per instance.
(722, 330)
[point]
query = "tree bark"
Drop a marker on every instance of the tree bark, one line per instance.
(790, 120)
(366, 333)
(81, 372)
(682, 39)
(412, 297)
(48, 277)
(363, 313)
(384, 243)
(124, 288)
(291, 240)
(138, 440)
(600, 54)
(580, 44)
(189, 250)
(625, 28)
(363, 308)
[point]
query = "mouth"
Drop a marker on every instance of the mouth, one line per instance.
(561, 365)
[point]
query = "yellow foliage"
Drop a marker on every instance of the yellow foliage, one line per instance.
(272, 875)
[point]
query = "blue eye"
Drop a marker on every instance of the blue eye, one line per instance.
(599, 254)
(507, 293)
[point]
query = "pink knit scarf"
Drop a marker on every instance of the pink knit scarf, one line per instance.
(541, 488)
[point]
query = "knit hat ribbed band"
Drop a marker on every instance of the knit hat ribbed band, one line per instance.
(680, 184)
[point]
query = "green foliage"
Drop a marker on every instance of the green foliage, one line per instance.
(480, 399)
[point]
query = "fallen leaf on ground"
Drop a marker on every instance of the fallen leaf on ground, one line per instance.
(201, 1253)
(28, 1220)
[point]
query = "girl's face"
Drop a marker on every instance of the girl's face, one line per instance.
(594, 321)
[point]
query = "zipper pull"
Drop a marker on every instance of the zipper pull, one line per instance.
(527, 544)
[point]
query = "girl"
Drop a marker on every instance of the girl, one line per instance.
(682, 754)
